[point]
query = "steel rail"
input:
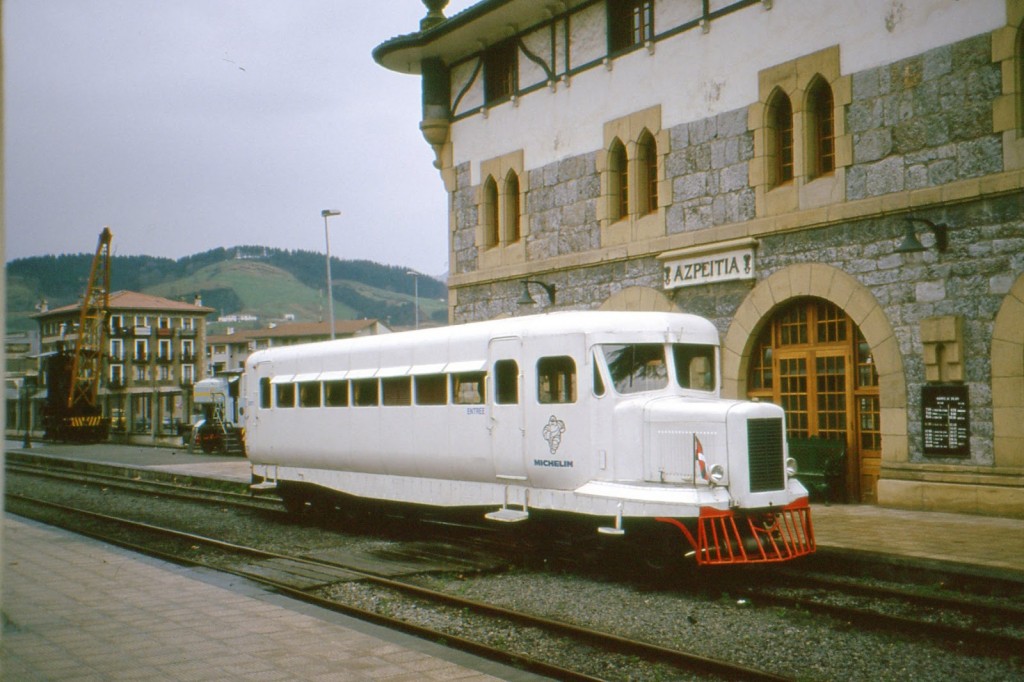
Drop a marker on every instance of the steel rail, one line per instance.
(975, 607)
(693, 662)
(981, 642)
(165, 488)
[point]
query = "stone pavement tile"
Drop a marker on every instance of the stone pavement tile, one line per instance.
(978, 540)
(79, 610)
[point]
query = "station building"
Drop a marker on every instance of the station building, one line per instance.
(837, 185)
(154, 356)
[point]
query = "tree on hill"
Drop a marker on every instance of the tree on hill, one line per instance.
(61, 279)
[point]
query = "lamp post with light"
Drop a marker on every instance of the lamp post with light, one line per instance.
(327, 213)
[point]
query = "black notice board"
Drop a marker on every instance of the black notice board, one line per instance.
(946, 420)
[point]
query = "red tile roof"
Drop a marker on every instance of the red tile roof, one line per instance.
(133, 300)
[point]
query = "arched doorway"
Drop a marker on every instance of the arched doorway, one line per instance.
(810, 358)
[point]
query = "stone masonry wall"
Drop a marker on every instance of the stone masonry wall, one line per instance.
(925, 121)
(708, 165)
(464, 206)
(562, 208)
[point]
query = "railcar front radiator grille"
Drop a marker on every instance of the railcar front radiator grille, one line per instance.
(764, 454)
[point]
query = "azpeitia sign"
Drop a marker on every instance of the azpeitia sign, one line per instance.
(688, 267)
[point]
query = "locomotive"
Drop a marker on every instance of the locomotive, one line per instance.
(614, 419)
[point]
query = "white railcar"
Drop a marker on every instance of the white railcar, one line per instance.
(614, 416)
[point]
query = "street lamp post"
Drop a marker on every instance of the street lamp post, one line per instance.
(416, 294)
(326, 213)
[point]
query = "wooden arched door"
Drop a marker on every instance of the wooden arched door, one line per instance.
(811, 359)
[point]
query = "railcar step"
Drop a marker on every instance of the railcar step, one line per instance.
(263, 487)
(508, 515)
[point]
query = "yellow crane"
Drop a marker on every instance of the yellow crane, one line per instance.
(72, 411)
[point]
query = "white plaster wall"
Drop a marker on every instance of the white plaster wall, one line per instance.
(588, 35)
(474, 97)
(539, 43)
(696, 75)
(669, 14)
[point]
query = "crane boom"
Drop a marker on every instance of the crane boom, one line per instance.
(86, 363)
(72, 411)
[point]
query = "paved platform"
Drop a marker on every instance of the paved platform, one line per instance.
(77, 609)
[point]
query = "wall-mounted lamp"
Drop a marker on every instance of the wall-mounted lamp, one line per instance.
(526, 299)
(912, 244)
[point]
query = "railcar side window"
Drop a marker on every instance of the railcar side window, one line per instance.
(506, 382)
(431, 389)
(636, 367)
(285, 395)
(556, 380)
(695, 366)
(336, 393)
(309, 394)
(265, 393)
(598, 381)
(364, 393)
(468, 388)
(396, 391)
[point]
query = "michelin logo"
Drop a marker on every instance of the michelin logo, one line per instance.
(553, 463)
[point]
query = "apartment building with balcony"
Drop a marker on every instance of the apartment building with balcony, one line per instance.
(21, 354)
(154, 354)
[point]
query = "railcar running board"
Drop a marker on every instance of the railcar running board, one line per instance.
(265, 486)
(507, 515)
(618, 529)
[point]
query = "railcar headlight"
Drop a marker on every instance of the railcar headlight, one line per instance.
(717, 473)
(791, 466)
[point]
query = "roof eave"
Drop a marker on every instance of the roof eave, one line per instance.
(452, 38)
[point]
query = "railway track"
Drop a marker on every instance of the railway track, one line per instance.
(420, 555)
(981, 626)
(302, 577)
(193, 491)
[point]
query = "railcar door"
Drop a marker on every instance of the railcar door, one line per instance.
(506, 406)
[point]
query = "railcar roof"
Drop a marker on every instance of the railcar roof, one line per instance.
(682, 327)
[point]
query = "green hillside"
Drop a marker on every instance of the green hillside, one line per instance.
(253, 288)
(267, 283)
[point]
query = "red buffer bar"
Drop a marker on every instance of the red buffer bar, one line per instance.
(761, 537)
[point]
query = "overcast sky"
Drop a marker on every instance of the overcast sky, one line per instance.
(186, 125)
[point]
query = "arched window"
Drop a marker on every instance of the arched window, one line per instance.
(489, 206)
(821, 128)
(511, 212)
(780, 130)
(647, 180)
(618, 181)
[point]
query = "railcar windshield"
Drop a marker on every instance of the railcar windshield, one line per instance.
(636, 367)
(639, 367)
